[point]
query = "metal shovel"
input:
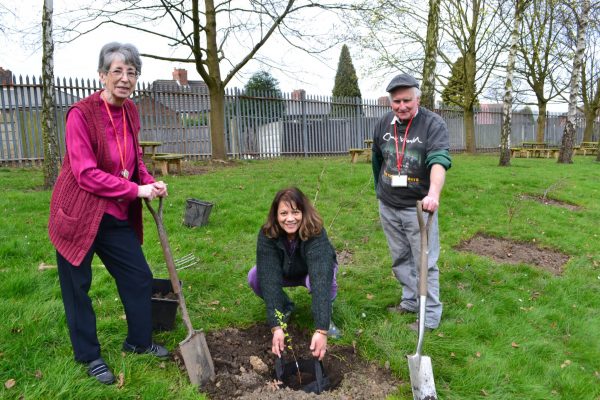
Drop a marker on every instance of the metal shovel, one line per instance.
(193, 348)
(421, 372)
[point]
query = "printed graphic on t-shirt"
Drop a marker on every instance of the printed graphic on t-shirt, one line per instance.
(411, 162)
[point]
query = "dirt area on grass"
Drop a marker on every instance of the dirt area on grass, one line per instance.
(512, 252)
(244, 367)
(344, 257)
(203, 167)
(550, 202)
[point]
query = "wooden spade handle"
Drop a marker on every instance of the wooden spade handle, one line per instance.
(424, 228)
(164, 241)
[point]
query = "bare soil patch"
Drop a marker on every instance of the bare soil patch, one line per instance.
(551, 202)
(344, 257)
(513, 252)
(244, 367)
(203, 167)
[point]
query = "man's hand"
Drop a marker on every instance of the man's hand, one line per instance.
(437, 176)
(430, 204)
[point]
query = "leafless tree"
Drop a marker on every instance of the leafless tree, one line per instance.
(431, 52)
(541, 56)
(218, 37)
(581, 16)
(590, 76)
(475, 30)
(520, 7)
(396, 32)
(51, 157)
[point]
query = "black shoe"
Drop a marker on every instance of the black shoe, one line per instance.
(154, 349)
(415, 327)
(399, 310)
(99, 370)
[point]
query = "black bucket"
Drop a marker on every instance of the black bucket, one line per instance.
(196, 212)
(164, 305)
(312, 379)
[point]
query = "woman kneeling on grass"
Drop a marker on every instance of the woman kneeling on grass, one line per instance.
(293, 250)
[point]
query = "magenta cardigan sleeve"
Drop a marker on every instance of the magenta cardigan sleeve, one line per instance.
(145, 177)
(84, 165)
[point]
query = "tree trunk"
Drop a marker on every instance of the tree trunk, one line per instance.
(588, 132)
(591, 109)
(469, 123)
(470, 95)
(565, 155)
(540, 132)
(431, 51)
(217, 124)
(51, 158)
(214, 81)
(507, 104)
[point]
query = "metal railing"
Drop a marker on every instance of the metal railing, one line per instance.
(259, 125)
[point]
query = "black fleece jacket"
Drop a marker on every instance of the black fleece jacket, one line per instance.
(315, 257)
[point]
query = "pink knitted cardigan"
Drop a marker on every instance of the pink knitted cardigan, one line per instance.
(75, 214)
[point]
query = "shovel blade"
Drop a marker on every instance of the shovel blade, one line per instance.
(421, 377)
(197, 359)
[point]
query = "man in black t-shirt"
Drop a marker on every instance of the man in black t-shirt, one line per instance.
(410, 159)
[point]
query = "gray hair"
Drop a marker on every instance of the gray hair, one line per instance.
(127, 52)
(416, 93)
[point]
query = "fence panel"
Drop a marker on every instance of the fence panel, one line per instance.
(257, 125)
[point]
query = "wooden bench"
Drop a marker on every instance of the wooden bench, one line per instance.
(368, 148)
(164, 160)
(515, 152)
(354, 153)
(587, 148)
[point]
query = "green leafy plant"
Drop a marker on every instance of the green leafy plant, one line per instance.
(288, 340)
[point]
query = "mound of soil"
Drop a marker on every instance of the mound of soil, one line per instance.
(551, 202)
(244, 367)
(512, 252)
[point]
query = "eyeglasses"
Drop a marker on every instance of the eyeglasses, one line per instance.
(118, 73)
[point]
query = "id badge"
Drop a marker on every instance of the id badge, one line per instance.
(399, 180)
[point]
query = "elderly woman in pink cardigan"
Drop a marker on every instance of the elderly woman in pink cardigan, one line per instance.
(96, 209)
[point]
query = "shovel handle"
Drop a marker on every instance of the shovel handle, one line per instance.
(424, 229)
(164, 242)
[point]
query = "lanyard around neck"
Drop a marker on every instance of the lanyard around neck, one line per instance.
(400, 157)
(122, 151)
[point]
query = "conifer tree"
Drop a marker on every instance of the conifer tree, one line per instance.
(453, 94)
(345, 89)
(262, 99)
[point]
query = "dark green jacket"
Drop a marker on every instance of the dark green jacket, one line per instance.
(315, 257)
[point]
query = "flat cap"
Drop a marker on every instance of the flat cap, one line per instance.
(402, 80)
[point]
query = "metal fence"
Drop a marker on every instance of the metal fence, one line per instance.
(260, 125)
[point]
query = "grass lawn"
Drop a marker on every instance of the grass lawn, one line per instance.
(508, 331)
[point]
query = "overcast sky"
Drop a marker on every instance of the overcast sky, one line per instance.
(293, 68)
(79, 58)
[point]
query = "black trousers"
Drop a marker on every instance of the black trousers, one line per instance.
(119, 249)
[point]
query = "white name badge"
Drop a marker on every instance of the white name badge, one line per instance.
(399, 180)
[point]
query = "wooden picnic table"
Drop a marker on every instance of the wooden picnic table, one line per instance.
(587, 148)
(354, 153)
(149, 145)
(149, 152)
(535, 149)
